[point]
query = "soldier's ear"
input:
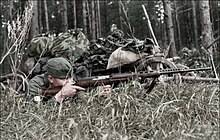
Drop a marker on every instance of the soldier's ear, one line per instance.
(50, 78)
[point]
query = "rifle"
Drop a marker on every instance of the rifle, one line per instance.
(118, 78)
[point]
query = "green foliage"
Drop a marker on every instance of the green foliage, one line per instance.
(168, 112)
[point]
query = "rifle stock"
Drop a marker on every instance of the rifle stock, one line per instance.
(117, 78)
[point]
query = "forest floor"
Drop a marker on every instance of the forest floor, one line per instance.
(186, 111)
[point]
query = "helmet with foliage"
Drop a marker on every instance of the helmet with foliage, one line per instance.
(70, 45)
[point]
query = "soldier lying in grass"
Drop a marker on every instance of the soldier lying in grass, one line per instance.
(59, 73)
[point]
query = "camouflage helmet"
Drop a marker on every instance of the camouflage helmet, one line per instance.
(70, 45)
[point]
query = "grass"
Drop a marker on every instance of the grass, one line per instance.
(187, 111)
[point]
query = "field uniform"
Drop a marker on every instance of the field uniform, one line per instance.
(56, 67)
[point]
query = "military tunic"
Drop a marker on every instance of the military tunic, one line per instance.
(36, 84)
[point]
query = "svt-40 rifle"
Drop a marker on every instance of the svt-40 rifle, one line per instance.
(118, 78)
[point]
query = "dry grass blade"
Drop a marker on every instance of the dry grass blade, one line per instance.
(172, 112)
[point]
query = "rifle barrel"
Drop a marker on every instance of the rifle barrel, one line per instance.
(117, 78)
(184, 70)
(114, 79)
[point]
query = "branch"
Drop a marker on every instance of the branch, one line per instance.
(11, 76)
(19, 27)
(149, 25)
(126, 17)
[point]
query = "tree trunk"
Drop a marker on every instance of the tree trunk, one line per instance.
(98, 19)
(11, 7)
(1, 35)
(64, 16)
(34, 23)
(212, 10)
(74, 14)
(195, 28)
(206, 25)
(215, 11)
(46, 16)
(89, 20)
(84, 17)
(41, 28)
(0, 24)
(106, 28)
(169, 28)
(164, 36)
(177, 26)
(120, 15)
(58, 17)
(217, 23)
(188, 26)
(93, 20)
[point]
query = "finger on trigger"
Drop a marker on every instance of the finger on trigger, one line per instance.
(108, 86)
(78, 88)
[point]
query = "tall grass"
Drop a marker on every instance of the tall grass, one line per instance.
(187, 111)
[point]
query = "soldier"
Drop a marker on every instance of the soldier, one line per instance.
(59, 73)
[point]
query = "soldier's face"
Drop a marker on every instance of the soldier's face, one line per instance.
(59, 82)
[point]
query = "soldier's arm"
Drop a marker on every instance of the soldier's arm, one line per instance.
(35, 86)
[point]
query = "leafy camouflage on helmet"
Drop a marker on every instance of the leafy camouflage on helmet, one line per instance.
(28, 65)
(70, 45)
(38, 45)
(33, 66)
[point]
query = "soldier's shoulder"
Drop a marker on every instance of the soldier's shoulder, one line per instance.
(38, 79)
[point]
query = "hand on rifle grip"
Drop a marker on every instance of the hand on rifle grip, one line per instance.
(68, 90)
(105, 89)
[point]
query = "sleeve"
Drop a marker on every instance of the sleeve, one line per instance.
(35, 87)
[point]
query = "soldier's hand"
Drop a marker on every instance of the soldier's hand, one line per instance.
(68, 90)
(105, 89)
